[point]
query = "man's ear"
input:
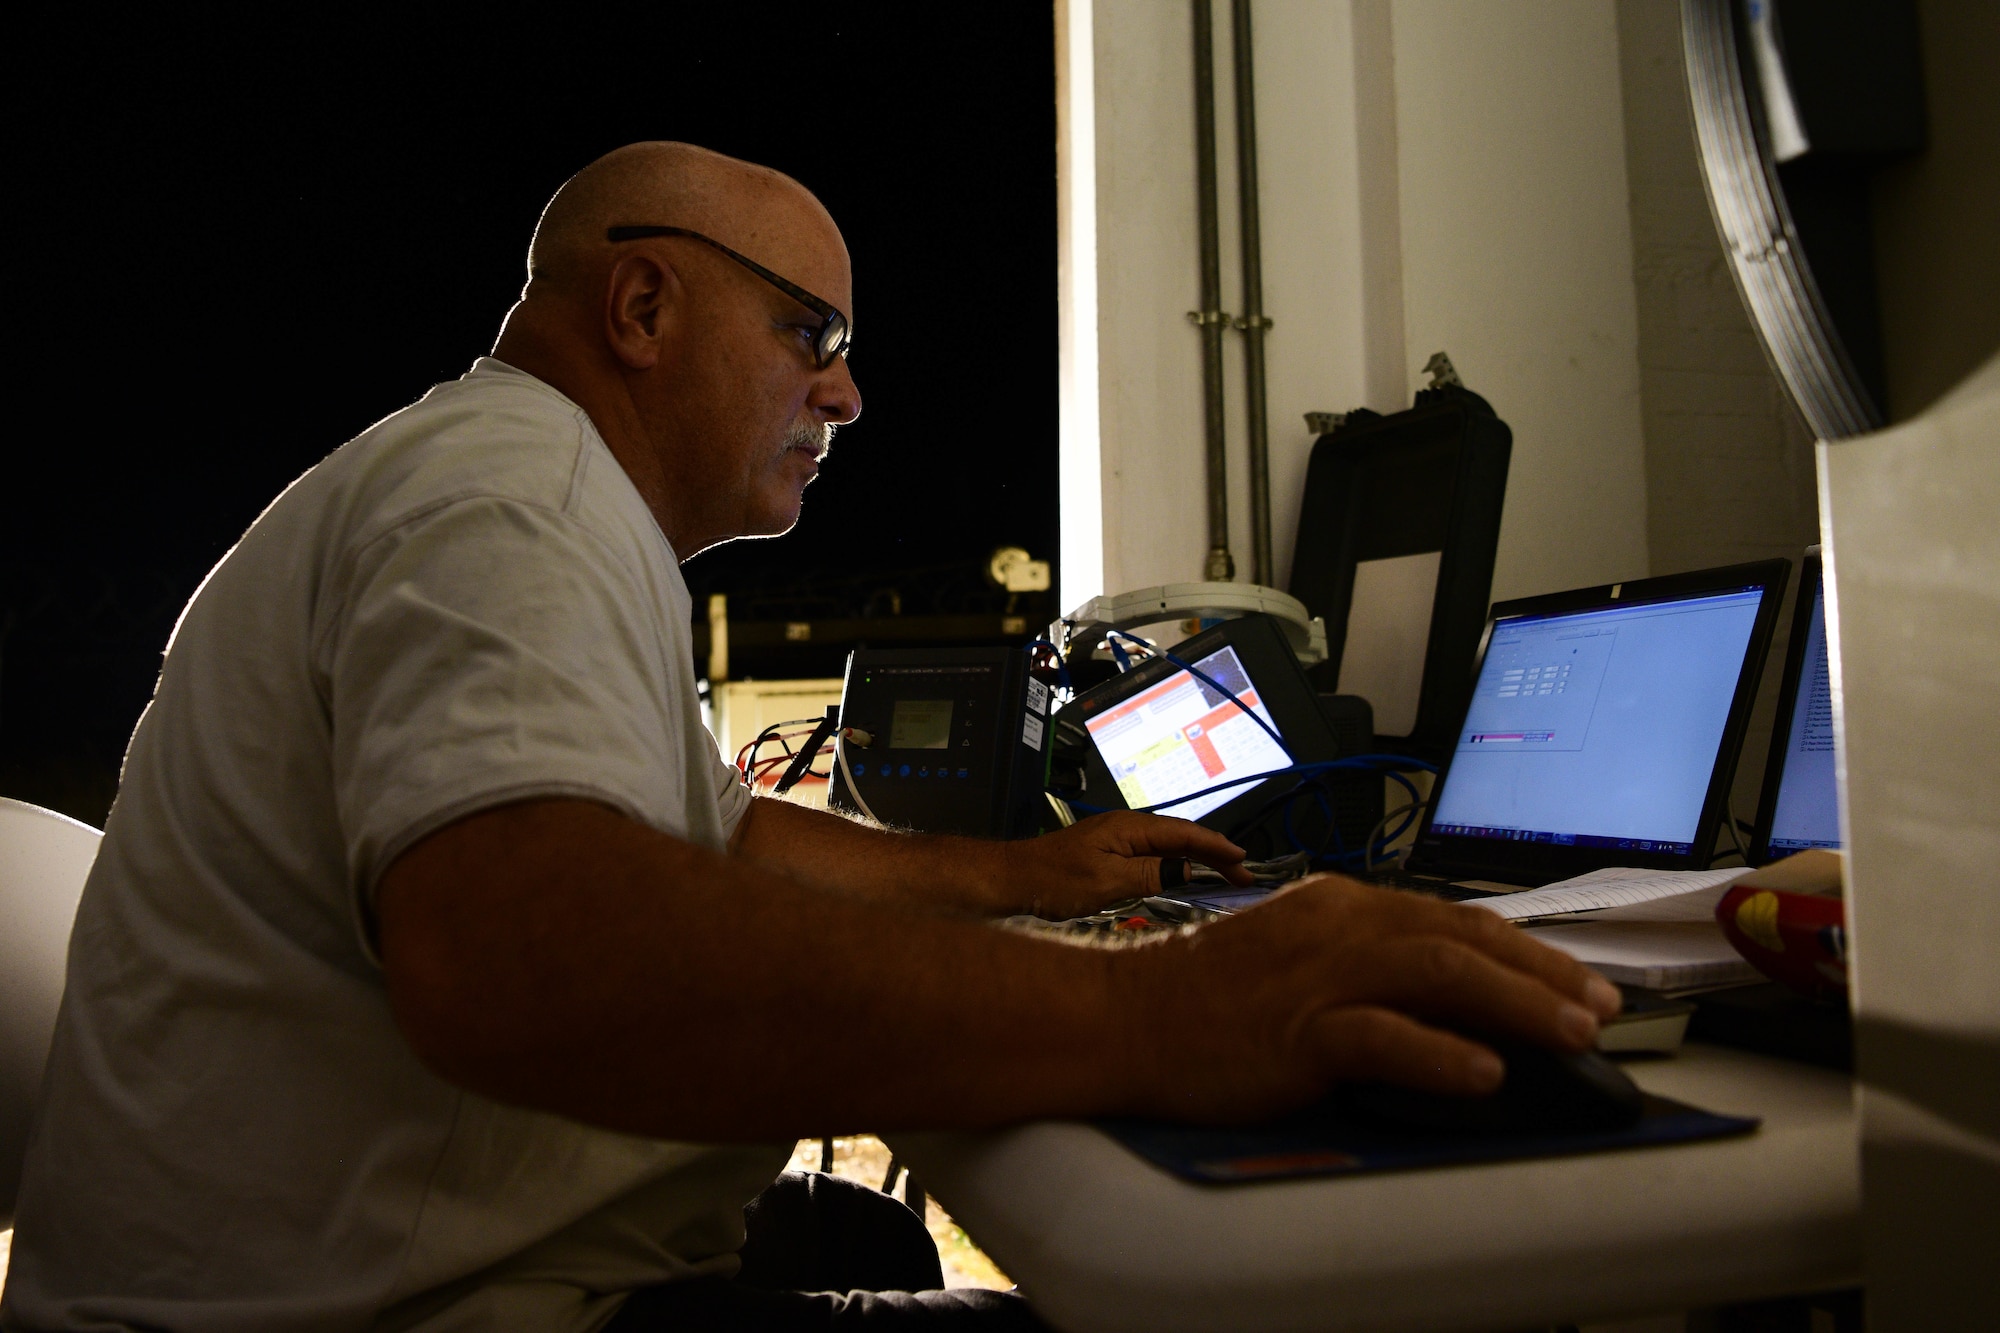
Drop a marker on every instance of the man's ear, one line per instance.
(641, 305)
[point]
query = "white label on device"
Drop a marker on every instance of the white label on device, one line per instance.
(1031, 733)
(1038, 696)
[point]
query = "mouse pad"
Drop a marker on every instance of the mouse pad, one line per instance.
(1325, 1145)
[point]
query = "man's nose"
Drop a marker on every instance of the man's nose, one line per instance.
(834, 396)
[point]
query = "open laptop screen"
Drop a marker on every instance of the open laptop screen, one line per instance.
(1600, 728)
(1806, 809)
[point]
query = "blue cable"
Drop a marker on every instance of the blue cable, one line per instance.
(1360, 762)
(1290, 799)
(1207, 680)
(1062, 667)
(1354, 763)
(1383, 843)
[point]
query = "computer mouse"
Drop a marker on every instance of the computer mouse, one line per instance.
(1545, 1092)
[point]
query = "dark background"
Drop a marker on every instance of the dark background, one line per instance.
(240, 238)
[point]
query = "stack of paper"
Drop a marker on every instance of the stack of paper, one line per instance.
(1647, 928)
(1657, 928)
(1637, 895)
(1676, 956)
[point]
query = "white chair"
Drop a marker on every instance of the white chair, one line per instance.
(44, 858)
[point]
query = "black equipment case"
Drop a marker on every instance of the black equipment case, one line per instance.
(1432, 478)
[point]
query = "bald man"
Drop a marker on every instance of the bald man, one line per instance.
(435, 973)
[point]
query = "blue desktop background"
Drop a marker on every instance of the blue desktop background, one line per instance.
(1601, 724)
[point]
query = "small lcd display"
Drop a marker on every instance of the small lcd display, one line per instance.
(920, 724)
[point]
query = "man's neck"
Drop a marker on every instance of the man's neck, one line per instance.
(605, 399)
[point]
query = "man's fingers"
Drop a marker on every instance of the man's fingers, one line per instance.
(1364, 1043)
(1604, 999)
(1451, 981)
(1519, 949)
(1138, 835)
(1508, 943)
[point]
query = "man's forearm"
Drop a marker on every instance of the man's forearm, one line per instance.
(561, 956)
(558, 955)
(1101, 860)
(829, 851)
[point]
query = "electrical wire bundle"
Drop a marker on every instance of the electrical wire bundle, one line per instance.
(779, 772)
(1045, 656)
(766, 773)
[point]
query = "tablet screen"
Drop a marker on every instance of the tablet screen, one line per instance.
(1168, 745)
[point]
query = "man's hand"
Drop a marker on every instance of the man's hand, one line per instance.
(1109, 858)
(1332, 980)
(1084, 868)
(557, 954)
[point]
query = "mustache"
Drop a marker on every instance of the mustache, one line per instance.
(816, 436)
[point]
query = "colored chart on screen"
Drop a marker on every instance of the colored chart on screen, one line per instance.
(1171, 745)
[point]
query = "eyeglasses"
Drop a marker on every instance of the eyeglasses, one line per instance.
(833, 338)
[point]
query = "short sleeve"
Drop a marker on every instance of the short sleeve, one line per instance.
(493, 651)
(732, 794)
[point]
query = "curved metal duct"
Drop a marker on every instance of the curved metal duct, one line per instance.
(1739, 170)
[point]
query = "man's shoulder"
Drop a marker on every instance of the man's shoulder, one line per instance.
(497, 454)
(496, 434)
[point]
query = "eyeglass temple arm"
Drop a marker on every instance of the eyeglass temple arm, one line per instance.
(824, 309)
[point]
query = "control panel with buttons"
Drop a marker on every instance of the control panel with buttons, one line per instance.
(953, 747)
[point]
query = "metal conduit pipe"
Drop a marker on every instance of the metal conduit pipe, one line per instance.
(1211, 319)
(1253, 324)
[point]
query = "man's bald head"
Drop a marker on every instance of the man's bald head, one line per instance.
(747, 207)
(702, 376)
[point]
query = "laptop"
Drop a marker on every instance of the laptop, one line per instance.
(1800, 804)
(1603, 730)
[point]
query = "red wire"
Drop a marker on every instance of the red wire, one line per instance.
(775, 761)
(760, 768)
(765, 738)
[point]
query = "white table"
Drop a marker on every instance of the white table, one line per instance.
(1103, 1241)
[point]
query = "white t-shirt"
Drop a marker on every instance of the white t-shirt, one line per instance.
(467, 605)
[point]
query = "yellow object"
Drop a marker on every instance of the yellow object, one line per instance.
(1757, 917)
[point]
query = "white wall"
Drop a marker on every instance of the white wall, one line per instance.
(1729, 461)
(1729, 458)
(1517, 259)
(1487, 136)
(1152, 500)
